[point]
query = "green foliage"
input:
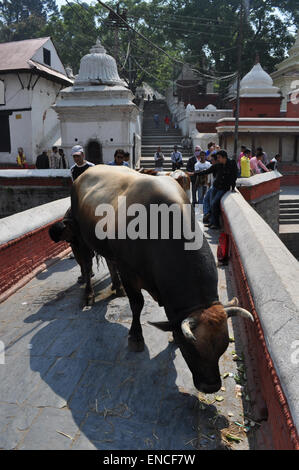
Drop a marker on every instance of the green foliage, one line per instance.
(202, 33)
(73, 32)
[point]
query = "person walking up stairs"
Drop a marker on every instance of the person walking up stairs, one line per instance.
(154, 135)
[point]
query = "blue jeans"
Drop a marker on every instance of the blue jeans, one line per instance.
(215, 205)
(201, 193)
(207, 201)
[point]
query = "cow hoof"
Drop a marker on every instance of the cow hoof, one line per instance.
(135, 345)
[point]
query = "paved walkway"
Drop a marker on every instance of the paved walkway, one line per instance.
(69, 382)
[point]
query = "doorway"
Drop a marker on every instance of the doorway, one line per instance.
(94, 152)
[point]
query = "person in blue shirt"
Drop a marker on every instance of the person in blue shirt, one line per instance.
(119, 155)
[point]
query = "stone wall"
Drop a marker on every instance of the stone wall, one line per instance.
(266, 276)
(291, 241)
(25, 245)
(14, 199)
(262, 193)
(24, 189)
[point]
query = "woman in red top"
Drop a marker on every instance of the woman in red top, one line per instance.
(167, 122)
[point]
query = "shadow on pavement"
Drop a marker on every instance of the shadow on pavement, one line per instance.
(117, 399)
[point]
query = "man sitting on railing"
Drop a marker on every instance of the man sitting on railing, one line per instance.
(226, 173)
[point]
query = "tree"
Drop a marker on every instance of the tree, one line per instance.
(24, 19)
(203, 33)
(74, 32)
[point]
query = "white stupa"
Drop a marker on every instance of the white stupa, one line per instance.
(97, 112)
(98, 68)
(258, 83)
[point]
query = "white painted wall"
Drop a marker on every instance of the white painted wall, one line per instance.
(80, 133)
(15, 96)
(45, 123)
(56, 63)
(20, 135)
(35, 130)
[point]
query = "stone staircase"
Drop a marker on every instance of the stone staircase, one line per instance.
(289, 211)
(289, 218)
(153, 137)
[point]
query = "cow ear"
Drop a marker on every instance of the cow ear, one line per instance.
(162, 325)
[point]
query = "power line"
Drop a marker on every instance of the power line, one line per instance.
(83, 21)
(217, 21)
(154, 45)
(227, 77)
(187, 31)
(167, 20)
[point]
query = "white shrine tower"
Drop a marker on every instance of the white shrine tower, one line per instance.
(97, 112)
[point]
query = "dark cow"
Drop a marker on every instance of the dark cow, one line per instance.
(183, 281)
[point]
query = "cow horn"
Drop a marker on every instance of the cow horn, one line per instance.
(186, 326)
(235, 311)
(232, 303)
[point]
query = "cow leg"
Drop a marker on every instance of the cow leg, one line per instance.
(116, 282)
(135, 339)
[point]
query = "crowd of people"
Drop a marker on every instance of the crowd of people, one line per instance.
(212, 174)
(121, 158)
(54, 159)
(211, 171)
(250, 164)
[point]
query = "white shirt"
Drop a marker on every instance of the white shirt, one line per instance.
(199, 166)
(176, 156)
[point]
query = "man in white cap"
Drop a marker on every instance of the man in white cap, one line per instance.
(81, 164)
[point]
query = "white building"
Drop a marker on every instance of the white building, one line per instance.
(97, 112)
(31, 76)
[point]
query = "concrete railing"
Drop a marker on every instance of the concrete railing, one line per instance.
(267, 276)
(25, 244)
(262, 192)
(34, 173)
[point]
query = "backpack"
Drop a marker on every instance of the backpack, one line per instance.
(223, 248)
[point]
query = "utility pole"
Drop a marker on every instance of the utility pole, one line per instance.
(240, 50)
(117, 21)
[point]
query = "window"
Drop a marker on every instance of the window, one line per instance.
(2, 92)
(47, 56)
(5, 145)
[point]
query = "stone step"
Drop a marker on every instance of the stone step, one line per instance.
(169, 140)
(160, 133)
(150, 157)
(164, 148)
(289, 216)
(289, 210)
(289, 201)
(289, 221)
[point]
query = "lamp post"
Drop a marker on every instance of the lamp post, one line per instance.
(240, 50)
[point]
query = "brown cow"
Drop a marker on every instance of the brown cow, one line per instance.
(178, 175)
(184, 281)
